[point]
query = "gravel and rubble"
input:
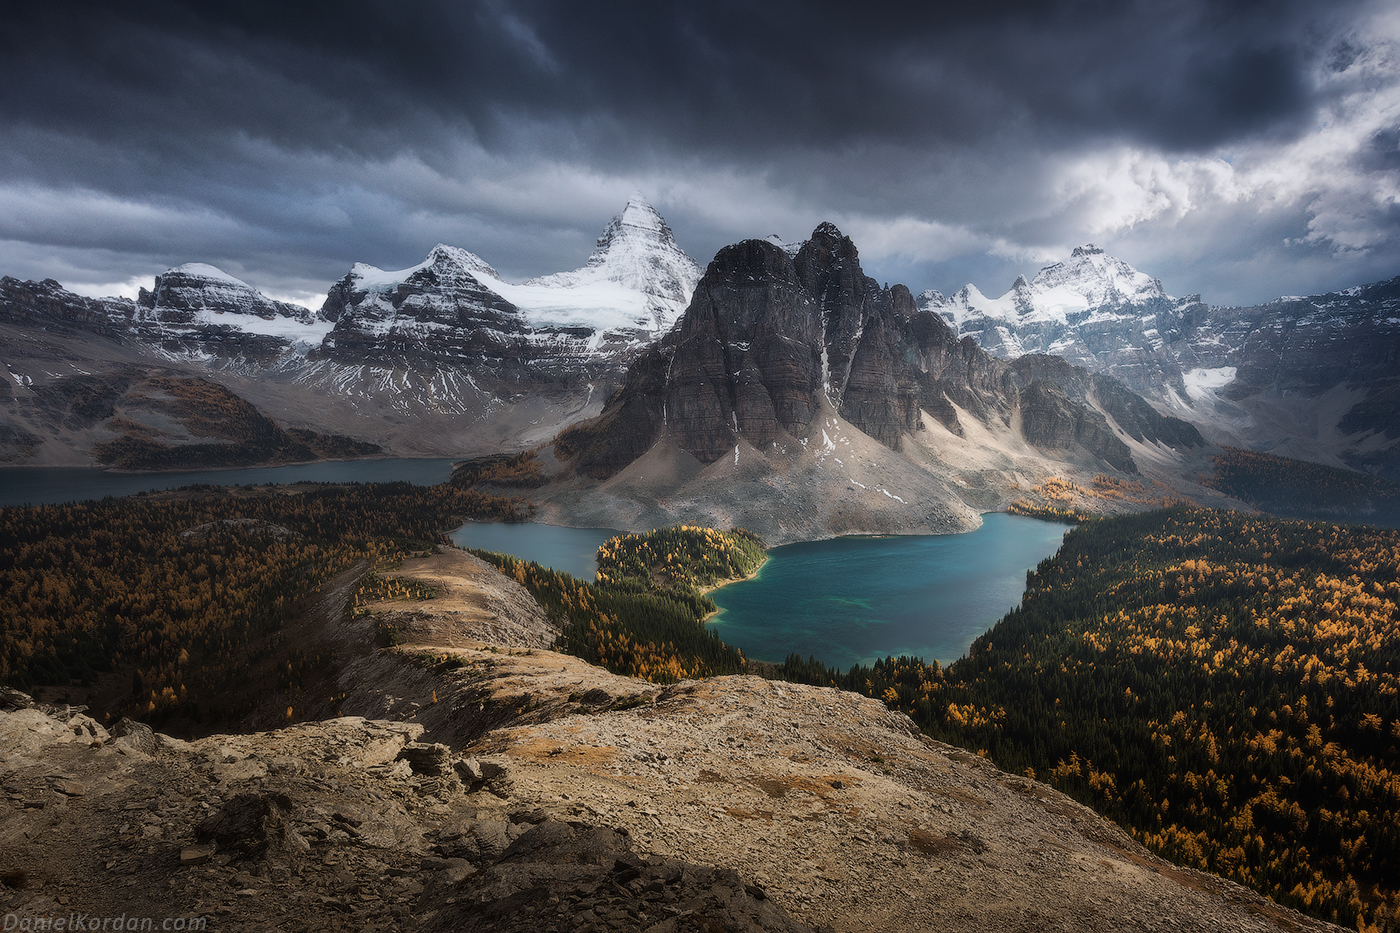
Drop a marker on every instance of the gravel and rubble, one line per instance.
(348, 824)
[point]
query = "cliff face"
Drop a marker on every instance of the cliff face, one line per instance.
(746, 361)
(779, 354)
(769, 336)
(1062, 405)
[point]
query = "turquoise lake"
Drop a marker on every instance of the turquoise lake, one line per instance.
(49, 485)
(853, 600)
(844, 601)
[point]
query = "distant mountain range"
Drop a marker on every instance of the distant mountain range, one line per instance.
(444, 357)
(632, 289)
(448, 358)
(1314, 378)
(1058, 309)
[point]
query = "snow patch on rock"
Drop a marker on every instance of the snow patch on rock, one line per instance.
(1202, 383)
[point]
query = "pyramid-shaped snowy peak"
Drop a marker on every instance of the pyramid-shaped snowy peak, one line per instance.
(1092, 278)
(637, 252)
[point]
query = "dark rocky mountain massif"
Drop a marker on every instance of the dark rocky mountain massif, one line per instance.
(779, 355)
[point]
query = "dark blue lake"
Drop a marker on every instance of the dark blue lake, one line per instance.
(46, 485)
(568, 550)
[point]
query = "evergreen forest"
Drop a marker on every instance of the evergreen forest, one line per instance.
(191, 592)
(1300, 489)
(1224, 686)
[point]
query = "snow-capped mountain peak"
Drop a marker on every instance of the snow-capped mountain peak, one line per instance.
(1049, 313)
(199, 291)
(455, 259)
(449, 262)
(1096, 278)
(636, 249)
(1089, 283)
(202, 270)
(965, 303)
(634, 286)
(197, 296)
(636, 253)
(638, 222)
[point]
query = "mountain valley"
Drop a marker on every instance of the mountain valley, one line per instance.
(781, 390)
(472, 780)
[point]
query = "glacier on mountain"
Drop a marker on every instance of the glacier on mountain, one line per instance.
(632, 289)
(636, 275)
(1090, 288)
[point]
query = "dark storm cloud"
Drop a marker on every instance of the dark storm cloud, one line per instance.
(282, 136)
(372, 76)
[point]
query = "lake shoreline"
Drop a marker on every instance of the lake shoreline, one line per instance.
(707, 590)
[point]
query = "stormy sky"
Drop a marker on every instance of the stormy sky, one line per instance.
(1241, 149)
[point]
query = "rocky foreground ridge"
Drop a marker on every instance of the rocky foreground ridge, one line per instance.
(484, 783)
